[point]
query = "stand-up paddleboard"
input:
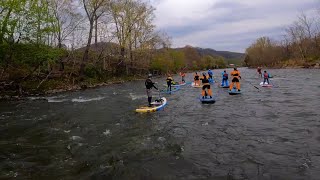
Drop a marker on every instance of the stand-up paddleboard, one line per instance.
(157, 105)
(234, 91)
(224, 86)
(176, 85)
(182, 83)
(173, 89)
(265, 85)
(196, 86)
(207, 100)
(211, 81)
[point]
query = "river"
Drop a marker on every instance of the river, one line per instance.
(264, 133)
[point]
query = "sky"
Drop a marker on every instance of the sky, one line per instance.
(229, 25)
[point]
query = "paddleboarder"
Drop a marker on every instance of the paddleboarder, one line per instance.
(169, 82)
(149, 85)
(182, 74)
(266, 77)
(206, 85)
(196, 79)
(210, 73)
(224, 81)
(235, 80)
(259, 72)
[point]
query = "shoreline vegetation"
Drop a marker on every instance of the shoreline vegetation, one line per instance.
(299, 46)
(52, 46)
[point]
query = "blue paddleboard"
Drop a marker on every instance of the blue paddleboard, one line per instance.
(173, 89)
(207, 100)
(234, 91)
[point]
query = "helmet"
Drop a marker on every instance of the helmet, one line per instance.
(149, 75)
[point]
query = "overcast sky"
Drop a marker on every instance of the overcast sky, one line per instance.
(227, 24)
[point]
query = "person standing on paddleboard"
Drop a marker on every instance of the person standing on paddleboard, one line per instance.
(236, 76)
(259, 72)
(206, 85)
(210, 73)
(196, 79)
(149, 85)
(169, 82)
(224, 78)
(182, 74)
(265, 77)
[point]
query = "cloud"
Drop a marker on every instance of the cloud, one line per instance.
(226, 24)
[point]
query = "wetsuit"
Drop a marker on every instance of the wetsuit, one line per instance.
(206, 85)
(169, 83)
(224, 79)
(210, 73)
(259, 71)
(149, 85)
(196, 79)
(236, 76)
(182, 76)
(266, 77)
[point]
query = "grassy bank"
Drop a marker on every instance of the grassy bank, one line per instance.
(56, 85)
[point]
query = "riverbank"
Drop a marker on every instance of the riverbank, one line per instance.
(293, 64)
(25, 89)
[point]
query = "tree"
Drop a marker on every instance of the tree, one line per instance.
(67, 19)
(134, 28)
(94, 9)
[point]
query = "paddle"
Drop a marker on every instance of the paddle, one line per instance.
(158, 90)
(252, 85)
(273, 84)
(160, 100)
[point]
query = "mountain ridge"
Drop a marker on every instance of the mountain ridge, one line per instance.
(213, 52)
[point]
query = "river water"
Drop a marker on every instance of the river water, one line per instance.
(264, 133)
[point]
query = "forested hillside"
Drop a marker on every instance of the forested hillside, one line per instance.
(299, 46)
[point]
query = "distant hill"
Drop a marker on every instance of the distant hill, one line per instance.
(225, 54)
(100, 46)
(202, 51)
(212, 52)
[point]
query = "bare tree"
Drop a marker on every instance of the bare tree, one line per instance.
(94, 9)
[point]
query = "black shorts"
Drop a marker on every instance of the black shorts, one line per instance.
(235, 80)
(205, 86)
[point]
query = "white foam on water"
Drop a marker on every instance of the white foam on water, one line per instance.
(55, 129)
(76, 138)
(205, 124)
(107, 132)
(118, 124)
(52, 100)
(87, 100)
(37, 98)
(161, 139)
(66, 131)
(134, 97)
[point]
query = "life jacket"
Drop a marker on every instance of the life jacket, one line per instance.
(225, 75)
(169, 79)
(210, 73)
(235, 74)
(196, 77)
(182, 74)
(266, 75)
(205, 81)
(259, 70)
(148, 83)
